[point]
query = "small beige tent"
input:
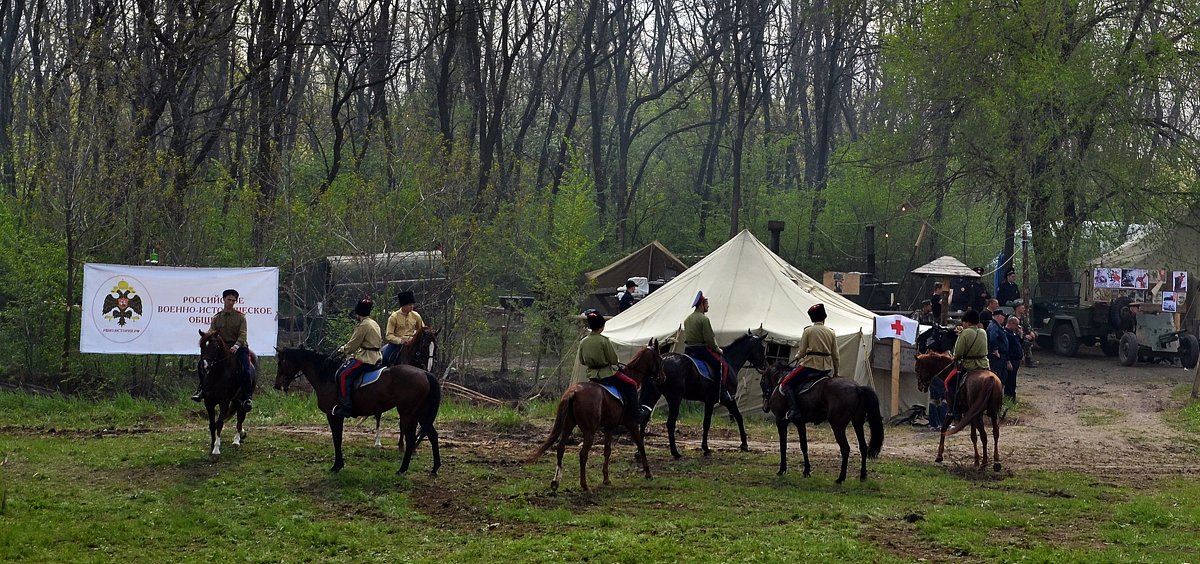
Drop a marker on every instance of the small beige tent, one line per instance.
(653, 261)
(749, 288)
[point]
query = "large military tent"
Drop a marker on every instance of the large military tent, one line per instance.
(1174, 247)
(653, 262)
(751, 288)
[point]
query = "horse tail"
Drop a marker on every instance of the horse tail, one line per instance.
(560, 421)
(869, 401)
(980, 400)
(433, 402)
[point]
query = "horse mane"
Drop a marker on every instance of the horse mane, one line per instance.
(326, 364)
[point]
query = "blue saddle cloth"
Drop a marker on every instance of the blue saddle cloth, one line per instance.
(613, 390)
(702, 366)
(368, 378)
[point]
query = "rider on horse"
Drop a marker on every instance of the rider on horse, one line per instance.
(817, 354)
(701, 343)
(597, 354)
(402, 325)
(230, 324)
(971, 349)
(363, 348)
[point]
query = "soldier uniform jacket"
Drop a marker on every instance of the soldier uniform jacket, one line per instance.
(818, 348)
(972, 349)
(231, 326)
(598, 355)
(365, 342)
(402, 327)
(698, 331)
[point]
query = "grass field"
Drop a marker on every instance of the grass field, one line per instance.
(132, 480)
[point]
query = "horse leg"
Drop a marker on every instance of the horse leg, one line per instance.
(589, 436)
(410, 446)
(974, 442)
(672, 418)
(942, 440)
(995, 441)
(737, 416)
(241, 433)
(607, 454)
(639, 440)
(782, 425)
(432, 435)
(803, 431)
(562, 447)
(378, 432)
(862, 448)
(335, 429)
(839, 434)
(214, 442)
(708, 409)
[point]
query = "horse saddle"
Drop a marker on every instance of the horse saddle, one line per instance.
(368, 378)
(805, 382)
(612, 390)
(702, 367)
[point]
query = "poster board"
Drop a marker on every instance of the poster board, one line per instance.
(844, 283)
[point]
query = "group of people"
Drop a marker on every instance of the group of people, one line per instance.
(1000, 348)
(816, 354)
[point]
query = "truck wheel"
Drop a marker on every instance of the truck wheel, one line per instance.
(1189, 350)
(1066, 343)
(1114, 313)
(1110, 345)
(1128, 349)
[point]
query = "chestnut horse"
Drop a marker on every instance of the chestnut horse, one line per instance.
(684, 382)
(420, 352)
(841, 401)
(592, 408)
(221, 373)
(979, 392)
(414, 393)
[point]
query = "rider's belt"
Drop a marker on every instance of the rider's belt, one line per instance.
(369, 348)
(814, 353)
(974, 357)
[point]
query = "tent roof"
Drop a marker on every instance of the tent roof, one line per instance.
(946, 266)
(748, 286)
(1175, 247)
(651, 261)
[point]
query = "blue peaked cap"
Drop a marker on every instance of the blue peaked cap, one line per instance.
(699, 298)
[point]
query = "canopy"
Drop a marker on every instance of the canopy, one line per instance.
(653, 261)
(749, 288)
(946, 266)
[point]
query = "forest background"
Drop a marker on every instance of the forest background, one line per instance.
(531, 140)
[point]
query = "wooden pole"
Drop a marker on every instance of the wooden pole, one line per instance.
(1196, 381)
(945, 299)
(896, 376)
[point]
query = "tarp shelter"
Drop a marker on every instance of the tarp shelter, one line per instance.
(653, 261)
(1171, 248)
(750, 287)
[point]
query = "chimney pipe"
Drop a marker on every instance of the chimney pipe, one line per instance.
(871, 249)
(775, 226)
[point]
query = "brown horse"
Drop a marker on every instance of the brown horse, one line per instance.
(979, 392)
(414, 393)
(839, 400)
(592, 408)
(684, 382)
(420, 351)
(220, 371)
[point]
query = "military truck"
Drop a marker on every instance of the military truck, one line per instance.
(1064, 324)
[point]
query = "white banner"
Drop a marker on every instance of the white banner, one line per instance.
(161, 309)
(896, 327)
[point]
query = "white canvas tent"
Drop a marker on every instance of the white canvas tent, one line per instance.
(749, 287)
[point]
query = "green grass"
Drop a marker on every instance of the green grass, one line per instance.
(147, 490)
(1097, 416)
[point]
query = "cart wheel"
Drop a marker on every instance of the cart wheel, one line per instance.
(1109, 345)
(1189, 350)
(1128, 349)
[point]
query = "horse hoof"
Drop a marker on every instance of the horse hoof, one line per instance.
(996, 467)
(676, 455)
(745, 447)
(433, 474)
(554, 486)
(336, 468)
(708, 454)
(839, 481)
(781, 472)
(938, 460)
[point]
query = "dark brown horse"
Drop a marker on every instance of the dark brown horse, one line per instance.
(220, 371)
(684, 382)
(979, 392)
(414, 393)
(840, 401)
(420, 351)
(592, 408)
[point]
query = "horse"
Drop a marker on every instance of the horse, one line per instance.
(685, 382)
(937, 339)
(414, 393)
(840, 401)
(979, 392)
(420, 351)
(219, 370)
(591, 407)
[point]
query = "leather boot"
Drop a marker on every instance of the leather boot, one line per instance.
(793, 413)
(199, 395)
(644, 414)
(343, 408)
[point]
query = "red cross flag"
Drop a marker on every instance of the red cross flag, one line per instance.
(896, 327)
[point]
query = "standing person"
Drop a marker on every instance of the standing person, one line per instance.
(971, 350)
(998, 345)
(363, 348)
(1028, 335)
(1008, 291)
(989, 311)
(401, 326)
(817, 354)
(924, 315)
(700, 342)
(596, 352)
(1013, 329)
(231, 325)
(960, 298)
(979, 293)
(935, 302)
(627, 297)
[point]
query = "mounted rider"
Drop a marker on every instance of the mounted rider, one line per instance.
(596, 352)
(402, 325)
(817, 354)
(363, 348)
(231, 325)
(701, 343)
